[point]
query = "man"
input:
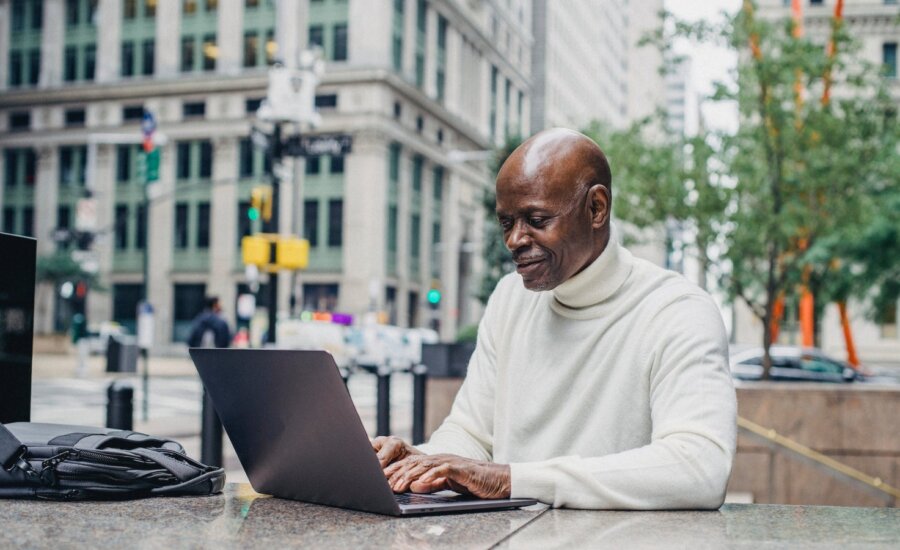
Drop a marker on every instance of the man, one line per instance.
(209, 329)
(599, 380)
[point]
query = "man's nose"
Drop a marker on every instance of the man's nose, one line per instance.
(518, 237)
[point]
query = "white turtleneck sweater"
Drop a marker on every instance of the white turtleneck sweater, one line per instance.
(611, 391)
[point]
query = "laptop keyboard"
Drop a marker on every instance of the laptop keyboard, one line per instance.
(411, 498)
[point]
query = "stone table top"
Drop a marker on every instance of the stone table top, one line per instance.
(240, 518)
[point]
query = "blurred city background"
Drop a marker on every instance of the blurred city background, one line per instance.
(327, 166)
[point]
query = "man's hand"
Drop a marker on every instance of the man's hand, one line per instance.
(391, 448)
(422, 473)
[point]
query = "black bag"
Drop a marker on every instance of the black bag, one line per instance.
(58, 462)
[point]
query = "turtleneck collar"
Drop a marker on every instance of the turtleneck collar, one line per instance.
(598, 281)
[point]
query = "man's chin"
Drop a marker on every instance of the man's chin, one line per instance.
(538, 285)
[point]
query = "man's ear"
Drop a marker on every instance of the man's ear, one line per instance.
(600, 203)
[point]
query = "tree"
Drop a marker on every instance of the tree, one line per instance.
(497, 259)
(798, 195)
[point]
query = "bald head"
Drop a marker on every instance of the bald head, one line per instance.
(553, 204)
(560, 152)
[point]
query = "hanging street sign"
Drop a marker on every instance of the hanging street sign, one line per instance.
(313, 146)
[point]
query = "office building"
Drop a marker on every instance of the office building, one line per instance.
(411, 81)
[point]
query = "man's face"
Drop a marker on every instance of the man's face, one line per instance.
(546, 224)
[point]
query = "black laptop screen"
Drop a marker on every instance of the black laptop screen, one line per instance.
(17, 256)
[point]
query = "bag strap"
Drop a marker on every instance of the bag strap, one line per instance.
(12, 453)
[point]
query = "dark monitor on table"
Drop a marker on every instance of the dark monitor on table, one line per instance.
(17, 266)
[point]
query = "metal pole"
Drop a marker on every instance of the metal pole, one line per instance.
(420, 377)
(210, 434)
(272, 227)
(145, 292)
(383, 425)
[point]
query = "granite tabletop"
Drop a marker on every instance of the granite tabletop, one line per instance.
(241, 518)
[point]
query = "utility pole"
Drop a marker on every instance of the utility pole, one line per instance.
(271, 226)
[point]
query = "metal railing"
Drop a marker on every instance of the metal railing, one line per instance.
(840, 471)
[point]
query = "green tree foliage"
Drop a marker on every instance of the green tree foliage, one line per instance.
(804, 192)
(497, 259)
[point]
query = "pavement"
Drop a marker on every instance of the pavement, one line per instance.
(174, 405)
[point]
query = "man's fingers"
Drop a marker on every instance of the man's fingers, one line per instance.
(432, 486)
(401, 479)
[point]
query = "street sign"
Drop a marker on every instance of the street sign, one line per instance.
(148, 124)
(151, 172)
(145, 325)
(313, 146)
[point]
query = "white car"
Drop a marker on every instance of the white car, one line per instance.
(791, 363)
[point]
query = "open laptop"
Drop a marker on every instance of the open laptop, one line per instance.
(298, 435)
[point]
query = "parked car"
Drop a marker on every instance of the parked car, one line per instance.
(791, 363)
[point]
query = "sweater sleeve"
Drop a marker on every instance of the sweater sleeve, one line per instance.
(468, 430)
(693, 412)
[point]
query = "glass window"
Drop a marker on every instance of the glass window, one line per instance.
(203, 211)
(150, 8)
(132, 113)
(123, 163)
(189, 302)
(12, 167)
(9, 220)
(34, 66)
(312, 165)
(126, 298)
(245, 158)
(72, 12)
(414, 235)
(75, 117)
(889, 59)
(121, 221)
(193, 109)
(210, 52)
(187, 53)
(340, 42)
(244, 226)
(251, 48)
(335, 222)
(326, 101)
(206, 161)
(63, 217)
(140, 238)
(19, 121)
(392, 228)
(189, 7)
(183, 160)
(316, 36)
(127, 58)
(17, 21)
(129, 9)
(90, 61)
(337, 165)
(28, 221)
(181, 225)
(394, 163)
(15, 68)
(70, 64)
(311, 222)
(149, 59)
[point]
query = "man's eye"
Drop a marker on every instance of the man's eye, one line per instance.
(505, 224)
(537, 222)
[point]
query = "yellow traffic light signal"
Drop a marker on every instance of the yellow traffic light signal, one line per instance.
(261, 202)
(255, 250)
(292, 253)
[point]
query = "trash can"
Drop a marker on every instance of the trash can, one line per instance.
(120, 405)
(121, 354)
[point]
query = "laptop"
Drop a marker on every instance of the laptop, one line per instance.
(298, 435)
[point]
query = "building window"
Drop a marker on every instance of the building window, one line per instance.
(312, 165)
(244, 225)
(397, 36)
(335, 222)
(123, 163)
(75, 117)
(132, 113)
(245, 159)
(210, 52)
(441, 57)
(206, 159)
(316, 36)
(398, 110)
(28, 221)
(337, 165)
(418, 163)
(326, 101)
(251, 48)
(70, 64)
(889, 59)
(72, 164)
(148, 47)
(203, 213)
(64, 217)
(392, 229)
(128, 58)
(129, 9)
(19, 121)
(188, 302)
(420, 124)
(187, 54)
(194, 109)
(394, 162)
(183, 160)
(9, 220)
(414, 236)
(252, 105)
(126, 298)
(140, 240)
(181, 225)
(420, 43)
(311, 222)
(193, 159)
(340, 42)
(121, 223)
(21, 166)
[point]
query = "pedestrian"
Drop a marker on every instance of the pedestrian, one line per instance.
(209, 329)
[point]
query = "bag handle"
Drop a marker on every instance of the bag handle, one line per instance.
(12, 453)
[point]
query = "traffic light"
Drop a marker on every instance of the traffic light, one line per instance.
(260, 203)
(292, 253)
(434, 297)
(255, 250)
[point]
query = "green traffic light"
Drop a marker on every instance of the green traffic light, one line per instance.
(434, 296)
(253, 214)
